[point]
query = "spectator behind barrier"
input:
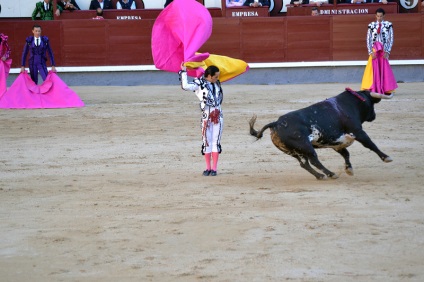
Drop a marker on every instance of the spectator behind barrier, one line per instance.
(380, 1)
(299, 2)
(45, 9)
(256, 3)
(99, 13)
(319, 2)
(125, 4)
(68, 5)
(103, 4)
(234, 3)
(314, 11)
(368, 1)
(314, 2)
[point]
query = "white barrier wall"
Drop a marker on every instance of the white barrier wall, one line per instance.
(24, 8)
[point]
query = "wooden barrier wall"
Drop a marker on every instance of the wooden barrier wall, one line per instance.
(272, 39)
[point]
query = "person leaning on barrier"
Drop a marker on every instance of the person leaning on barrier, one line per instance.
(125, 4)
(256, 3)
(314, 11)
(45, 9)
(99, 14)
(103, 4)
(68, 5)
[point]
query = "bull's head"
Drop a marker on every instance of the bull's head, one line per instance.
(370, 114)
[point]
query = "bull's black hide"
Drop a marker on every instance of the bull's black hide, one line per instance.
(333, 123)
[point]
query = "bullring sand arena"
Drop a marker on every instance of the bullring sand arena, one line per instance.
(114, 191)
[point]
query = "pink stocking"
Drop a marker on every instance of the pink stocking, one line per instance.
(208, 161)
(215, 156)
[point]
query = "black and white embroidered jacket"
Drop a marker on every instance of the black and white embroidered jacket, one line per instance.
(385, 37)
(209, 94)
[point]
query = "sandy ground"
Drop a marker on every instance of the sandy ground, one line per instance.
(114, 192)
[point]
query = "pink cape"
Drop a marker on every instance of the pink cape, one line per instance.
(178, 33)
(383, 78)
(52, 93)
(4, 72)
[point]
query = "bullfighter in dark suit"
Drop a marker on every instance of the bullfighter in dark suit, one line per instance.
(38, 46)
(103, 4)
(45, 8)
(259, 3)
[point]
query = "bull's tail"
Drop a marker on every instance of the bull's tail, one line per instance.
(258, 134)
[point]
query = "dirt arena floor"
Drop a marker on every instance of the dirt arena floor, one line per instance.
(114, 192)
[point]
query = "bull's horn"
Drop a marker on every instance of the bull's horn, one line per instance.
(381, 96)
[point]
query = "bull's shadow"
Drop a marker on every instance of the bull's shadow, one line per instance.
(333, 123)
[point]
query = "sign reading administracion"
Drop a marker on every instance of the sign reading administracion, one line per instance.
(343, 11)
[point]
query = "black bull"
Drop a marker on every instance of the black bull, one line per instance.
(333, 123)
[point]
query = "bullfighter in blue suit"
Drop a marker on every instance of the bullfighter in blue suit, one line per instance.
(38, 46)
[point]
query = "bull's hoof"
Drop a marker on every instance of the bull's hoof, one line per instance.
(349, 171)
(387, 159)
(334, 176)
(321, 176)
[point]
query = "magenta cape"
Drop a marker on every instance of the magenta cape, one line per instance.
(52, 93)
(4, 72)
(378, 75)
(383, 78)
(178, 33)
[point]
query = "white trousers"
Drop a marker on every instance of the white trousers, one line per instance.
(211, 132)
